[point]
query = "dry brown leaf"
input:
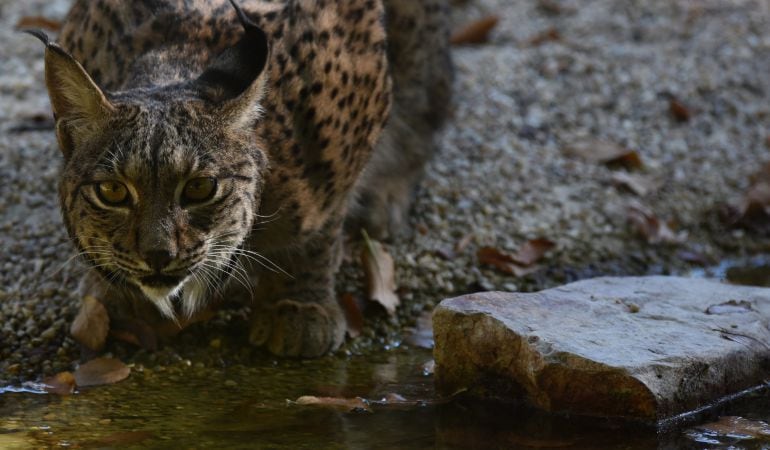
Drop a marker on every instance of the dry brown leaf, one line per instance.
(91, 325)
(636, 184)
(649, 226)
(380, 274)
(475, 32)
(733, 425)
(503, 262)
(522, 262)
(38, 22)
(101, 371)
(549, 35)
(605, 152)
(62, 383)
(679, 110)
(532, 251)
(355, 404)
(353, 314)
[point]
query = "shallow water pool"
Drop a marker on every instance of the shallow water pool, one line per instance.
(253, 405)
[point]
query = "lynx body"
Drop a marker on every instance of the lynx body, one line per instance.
(212, 146)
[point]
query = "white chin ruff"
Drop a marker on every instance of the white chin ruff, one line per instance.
(193, 297)
(163, 298)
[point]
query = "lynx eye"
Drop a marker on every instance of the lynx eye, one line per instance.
(112, 193)
(199, 190)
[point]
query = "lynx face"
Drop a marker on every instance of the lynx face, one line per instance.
(163, 203)
(161, 184)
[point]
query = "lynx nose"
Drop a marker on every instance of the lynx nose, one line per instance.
(158, 259)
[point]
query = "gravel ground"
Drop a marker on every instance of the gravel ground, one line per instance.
(503, 175)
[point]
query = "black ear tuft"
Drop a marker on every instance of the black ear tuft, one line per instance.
(245, 21)
(53, 46)
(236, 69)
(40, 34)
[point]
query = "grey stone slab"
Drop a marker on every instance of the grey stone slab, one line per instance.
(646, 348)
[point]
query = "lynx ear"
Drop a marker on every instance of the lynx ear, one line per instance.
(80, 108)
(233, 79)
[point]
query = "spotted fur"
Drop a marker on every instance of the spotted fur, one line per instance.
(285, 107)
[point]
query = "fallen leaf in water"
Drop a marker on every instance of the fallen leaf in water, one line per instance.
(91, 325)
(356, 404)
(38, 22)
(734, 426)
(730, 307)
(353, 314)
(475, 32)
(549, 35)
(634, 183)
(679, 110)
(62, 383)
(380, 274)
(605, 152)
(101, 371)
(650, 227)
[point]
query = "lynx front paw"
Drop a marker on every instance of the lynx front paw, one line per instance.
(291, 328)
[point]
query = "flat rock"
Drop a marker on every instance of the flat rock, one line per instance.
(644, 348)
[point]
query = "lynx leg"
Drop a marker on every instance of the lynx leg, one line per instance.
(422, 74)
(300, 315)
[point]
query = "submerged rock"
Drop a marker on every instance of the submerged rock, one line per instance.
(644, 348)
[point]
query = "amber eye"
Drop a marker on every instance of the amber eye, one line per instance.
(112, 193)
(199, 190)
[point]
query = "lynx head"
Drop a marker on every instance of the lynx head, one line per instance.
(160, 185)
